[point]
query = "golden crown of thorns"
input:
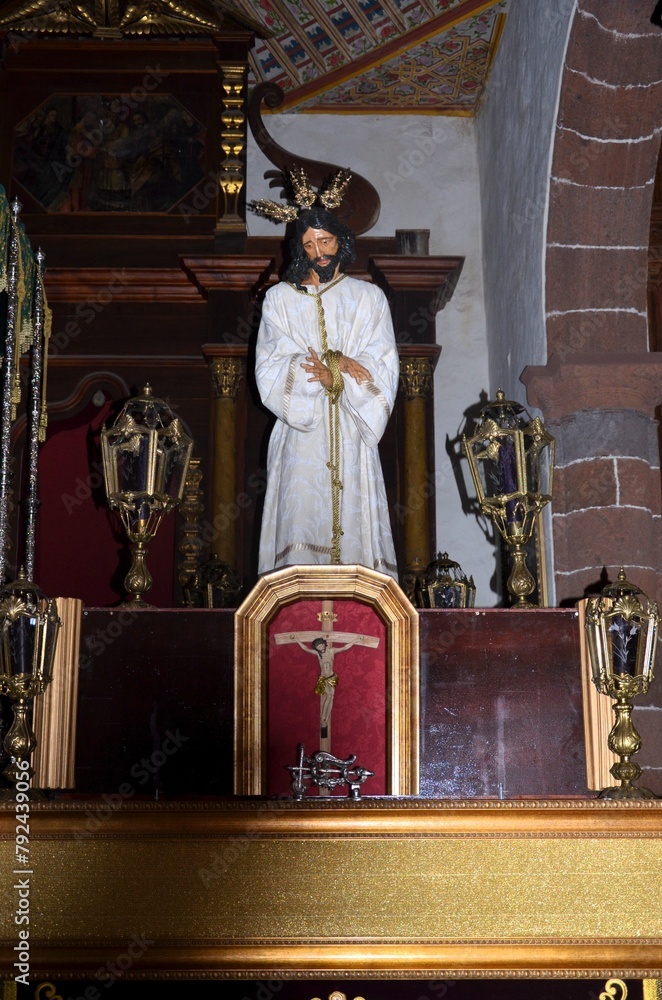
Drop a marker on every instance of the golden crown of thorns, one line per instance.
(330, 195)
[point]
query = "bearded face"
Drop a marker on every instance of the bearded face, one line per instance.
(321, 249)
(326, 271)
(318, 220)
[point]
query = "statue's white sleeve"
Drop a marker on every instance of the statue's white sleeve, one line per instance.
(282, 382)
(371, 403)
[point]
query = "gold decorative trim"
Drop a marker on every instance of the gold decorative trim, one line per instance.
(378, 394)
(358, 583)
(615, 989)
(459, 889)
(143, 18)
(302, 547)
(337, 995)
(47, 991)
(232, 172)
(289, 384)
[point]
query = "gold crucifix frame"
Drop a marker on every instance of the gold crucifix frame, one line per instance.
(298, 583)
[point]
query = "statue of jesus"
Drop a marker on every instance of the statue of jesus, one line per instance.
(327, 367)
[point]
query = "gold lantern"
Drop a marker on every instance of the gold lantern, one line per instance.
(29, 626)
(444, 585)
(511, 457)
(145, 460)
(621, 632)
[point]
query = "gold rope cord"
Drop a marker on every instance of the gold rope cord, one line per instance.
(331, 359)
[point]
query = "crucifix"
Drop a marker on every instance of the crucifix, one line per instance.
(324, 643)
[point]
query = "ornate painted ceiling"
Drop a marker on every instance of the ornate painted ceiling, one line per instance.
(374, 56)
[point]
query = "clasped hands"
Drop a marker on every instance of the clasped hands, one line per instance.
(320, 372)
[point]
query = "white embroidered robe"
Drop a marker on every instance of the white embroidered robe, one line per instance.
(297, 519)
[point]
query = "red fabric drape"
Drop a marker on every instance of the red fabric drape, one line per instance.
(81, 548)
(358, 720)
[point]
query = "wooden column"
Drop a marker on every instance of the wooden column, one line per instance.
(416, 369)
(417, 288)
(232, 285)
(227, 365)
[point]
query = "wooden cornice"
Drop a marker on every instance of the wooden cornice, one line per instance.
(122, 284)
(229, 273)
(212, 351)
(436, 275)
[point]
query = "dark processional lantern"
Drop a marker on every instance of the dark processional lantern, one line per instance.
(511, 457)
(146, 455)
(444, 585)
(29, 621)
(621, 631)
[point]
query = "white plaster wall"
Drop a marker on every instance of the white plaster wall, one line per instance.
(515, 130)
(425, 170)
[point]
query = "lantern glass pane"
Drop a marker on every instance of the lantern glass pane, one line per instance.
(22, 633)
(49, 640)
(447, 595)
(623, 636)
(5, 656)
(495, 459)
(538, 468)
(132, 454)
(171, 466)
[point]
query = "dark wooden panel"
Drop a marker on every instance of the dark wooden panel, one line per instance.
(155, 709)
(501, 708)
(500, 702)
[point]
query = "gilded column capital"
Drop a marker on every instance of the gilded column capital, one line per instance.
(226, 374)
(415, 377)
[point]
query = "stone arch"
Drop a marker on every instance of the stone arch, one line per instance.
(600, 386)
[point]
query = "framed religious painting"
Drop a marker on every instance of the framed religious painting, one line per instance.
(326, 657)
(116, 130)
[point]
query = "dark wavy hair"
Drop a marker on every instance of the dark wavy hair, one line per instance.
(317, 217)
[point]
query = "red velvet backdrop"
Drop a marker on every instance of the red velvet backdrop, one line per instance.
(358, 719)
(81, 549)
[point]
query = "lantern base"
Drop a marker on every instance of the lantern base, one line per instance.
(627, 792)
(520, 582)
(137, 604)
(34, 795)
